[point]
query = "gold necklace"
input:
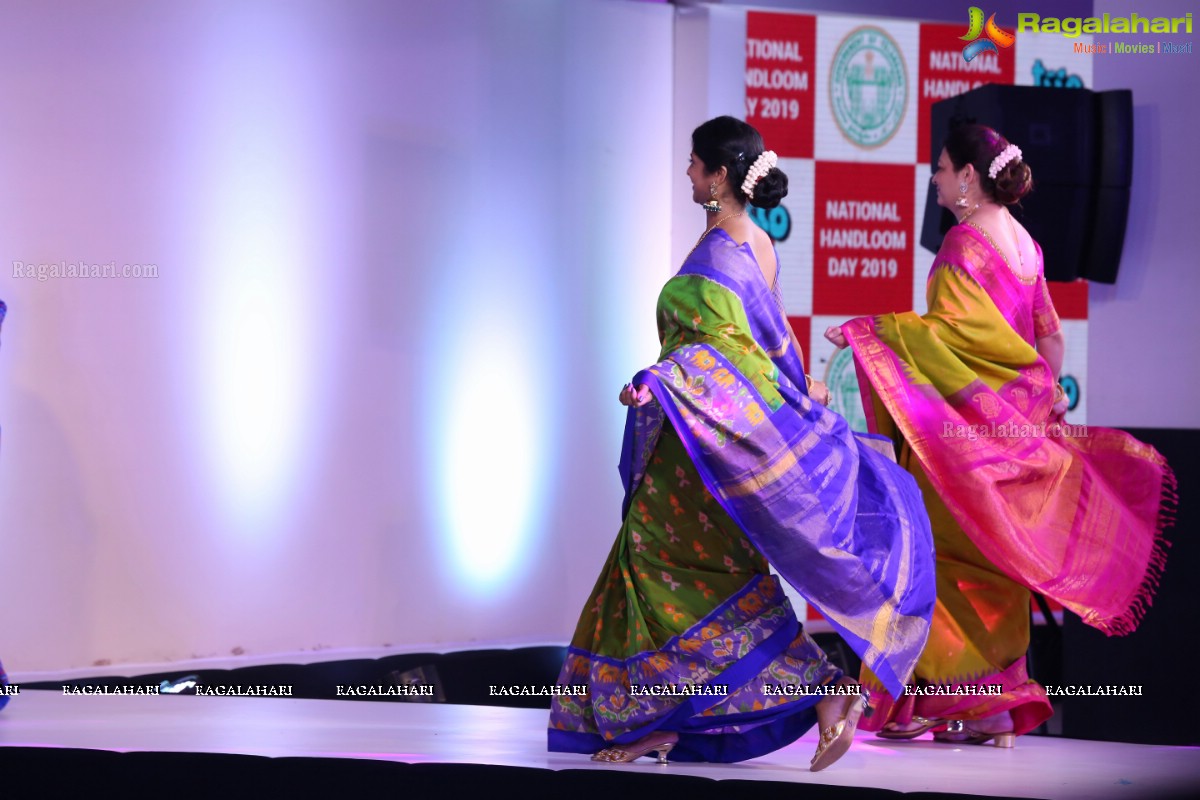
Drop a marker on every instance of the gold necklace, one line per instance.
(967, 214)
(709, 230)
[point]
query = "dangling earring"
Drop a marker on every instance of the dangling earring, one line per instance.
(713, 206)
(961, 202)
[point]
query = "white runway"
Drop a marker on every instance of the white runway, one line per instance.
(423, 733)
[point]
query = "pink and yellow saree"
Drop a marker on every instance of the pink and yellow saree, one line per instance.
(1017, 501)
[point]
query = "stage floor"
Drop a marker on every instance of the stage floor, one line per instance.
(415, 733)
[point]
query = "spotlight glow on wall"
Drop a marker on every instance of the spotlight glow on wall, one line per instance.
(257, 113)
(489, 442)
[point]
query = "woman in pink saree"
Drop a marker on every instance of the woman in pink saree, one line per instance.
(1018, 501)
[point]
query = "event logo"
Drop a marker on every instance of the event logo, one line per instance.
(992, 33)
(842, 380)
(868, 87)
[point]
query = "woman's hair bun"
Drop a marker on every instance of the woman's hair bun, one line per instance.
(770, 189)
(1013, 182)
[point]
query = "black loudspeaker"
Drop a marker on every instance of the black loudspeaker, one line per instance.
(1114, 176)
(1079, 145)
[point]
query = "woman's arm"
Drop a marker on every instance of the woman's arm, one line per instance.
(1051, 348)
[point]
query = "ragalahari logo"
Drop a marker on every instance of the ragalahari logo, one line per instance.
(992, 33)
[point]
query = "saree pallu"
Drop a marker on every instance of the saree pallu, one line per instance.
(1018, 500)
(733, 467)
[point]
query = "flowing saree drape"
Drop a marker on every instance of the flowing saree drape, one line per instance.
(1018, 500)
(733, 466)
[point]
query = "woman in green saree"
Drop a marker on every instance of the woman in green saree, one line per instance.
(687, 643)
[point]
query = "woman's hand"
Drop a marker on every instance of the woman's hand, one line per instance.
(818, 392)
(834, 334)
(1062, 403)
(635, 397)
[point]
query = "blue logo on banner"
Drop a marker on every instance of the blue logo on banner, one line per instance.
(777, 222)
(1055, 79)
(1071, 389)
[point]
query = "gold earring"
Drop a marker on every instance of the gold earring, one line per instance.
(713, 206)
(961, 202)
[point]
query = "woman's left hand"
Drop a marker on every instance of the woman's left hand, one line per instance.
(636, 397)
(834, 334)
(819, 393)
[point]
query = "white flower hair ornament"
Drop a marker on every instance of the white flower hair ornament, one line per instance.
(1010, 153)
(761, 166)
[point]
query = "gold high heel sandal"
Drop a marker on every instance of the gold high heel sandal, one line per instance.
(958, 732)
(837, 738)
(659, 742)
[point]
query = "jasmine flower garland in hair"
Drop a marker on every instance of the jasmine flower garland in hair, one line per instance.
(761, 166)
(1010, 153)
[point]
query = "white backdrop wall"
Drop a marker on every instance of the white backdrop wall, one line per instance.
(405, 256)
(1144, 328)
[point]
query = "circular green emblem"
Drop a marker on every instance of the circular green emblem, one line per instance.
(868, 87)
(842, 381)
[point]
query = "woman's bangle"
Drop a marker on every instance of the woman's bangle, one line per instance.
(808, 383)
(1059, 393)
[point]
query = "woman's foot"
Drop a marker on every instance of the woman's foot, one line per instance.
(997, 728)
(909, 730)
(659, 742)
(837, 717)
